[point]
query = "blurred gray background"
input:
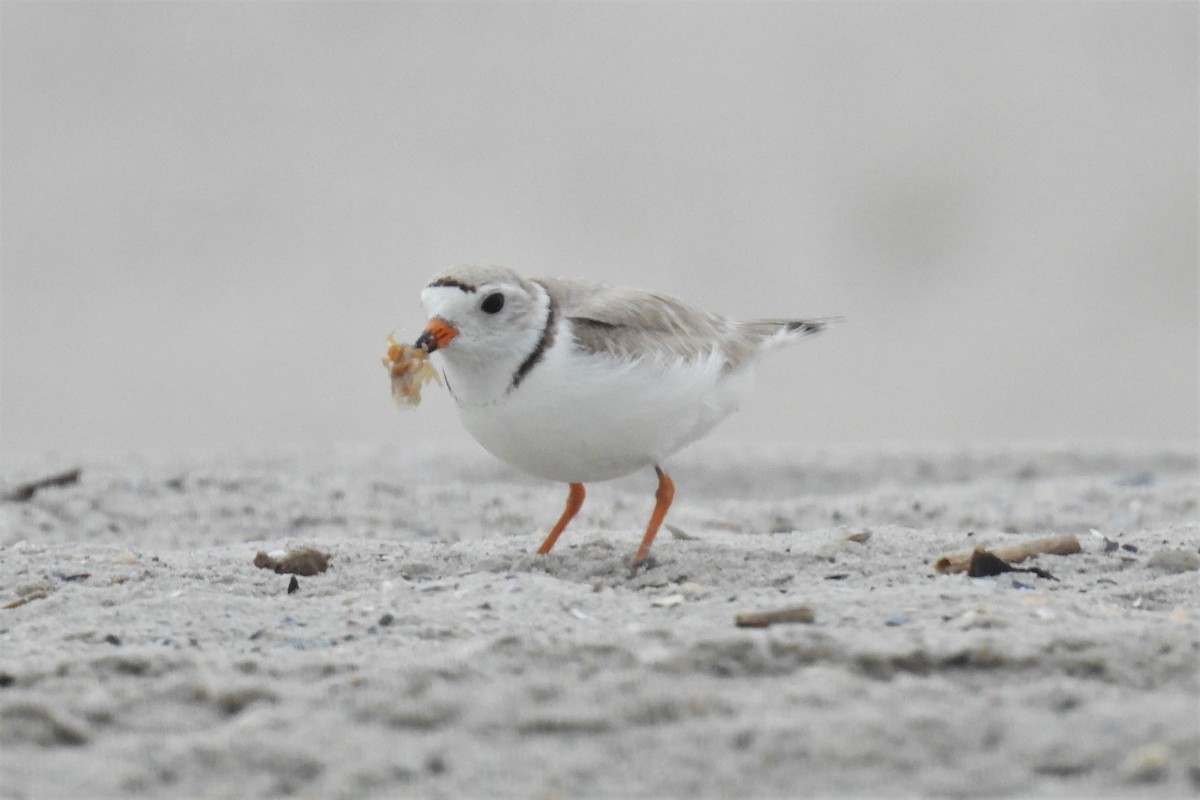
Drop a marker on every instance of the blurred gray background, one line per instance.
(213, 213)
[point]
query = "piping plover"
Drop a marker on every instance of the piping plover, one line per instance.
(579, 382)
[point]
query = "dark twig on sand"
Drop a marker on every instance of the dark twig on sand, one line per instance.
(25, 491)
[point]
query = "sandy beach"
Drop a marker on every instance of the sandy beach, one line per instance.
(215, 212)
(143, 654)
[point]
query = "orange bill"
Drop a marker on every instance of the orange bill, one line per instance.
(437, 335)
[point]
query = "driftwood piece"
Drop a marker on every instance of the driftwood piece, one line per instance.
(1062, 545)
(36, 594)
(763, 619)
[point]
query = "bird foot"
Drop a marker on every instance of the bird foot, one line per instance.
(649, 562)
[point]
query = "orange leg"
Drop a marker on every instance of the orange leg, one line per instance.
(574, 502)
(663, 498)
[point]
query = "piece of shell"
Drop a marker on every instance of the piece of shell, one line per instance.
(410, 369)
(680, 533)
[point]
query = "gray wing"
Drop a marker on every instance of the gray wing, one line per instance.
(628, 323)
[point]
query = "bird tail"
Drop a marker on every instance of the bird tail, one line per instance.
(774, 332)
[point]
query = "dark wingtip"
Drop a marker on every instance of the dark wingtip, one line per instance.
(811, 326)
(806, 326)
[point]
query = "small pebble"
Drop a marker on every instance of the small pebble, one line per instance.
(1139, 480)
(743, 739)
(1174, 561)
(782, 525)
(1149, 764)
(315, 643)
(386, 619)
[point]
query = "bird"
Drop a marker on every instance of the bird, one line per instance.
(578, 382)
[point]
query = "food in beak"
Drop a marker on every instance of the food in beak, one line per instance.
(410, 369)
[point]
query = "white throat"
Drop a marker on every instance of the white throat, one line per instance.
(484, 375)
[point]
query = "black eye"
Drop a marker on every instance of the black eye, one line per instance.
(493, 303)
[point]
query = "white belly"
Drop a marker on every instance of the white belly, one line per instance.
(587, 418)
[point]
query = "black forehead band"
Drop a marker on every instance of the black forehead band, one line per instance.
(466, 287)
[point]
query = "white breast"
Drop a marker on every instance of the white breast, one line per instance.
(582, 417)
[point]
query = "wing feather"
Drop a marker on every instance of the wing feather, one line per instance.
(628, 323)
